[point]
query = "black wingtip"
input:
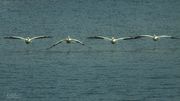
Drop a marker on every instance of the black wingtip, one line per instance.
(49, 36)
(49, 47)
(90, 37)
(175, 38)
(130, 38)
(95, 37)
(137, 37)
(9, 37)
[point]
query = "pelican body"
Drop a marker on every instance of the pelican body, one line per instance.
(156, 37)
(27, 40)
(113, 40)
(68, 40)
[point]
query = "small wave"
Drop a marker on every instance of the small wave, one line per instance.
(13, 96)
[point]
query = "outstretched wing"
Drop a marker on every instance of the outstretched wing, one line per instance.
(125, 38)
(77, 41)
(55, 44)
(41, 37)
(14, 37)
(167, 36)
(99, 37)
(141, 36)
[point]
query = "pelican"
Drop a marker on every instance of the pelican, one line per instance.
(113, 40)
(27, 40)
(68, 40)
(156, 37)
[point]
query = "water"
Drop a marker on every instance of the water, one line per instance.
(137, 70)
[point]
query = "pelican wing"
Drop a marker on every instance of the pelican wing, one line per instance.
(125, 38)
(14, 37)
(41, 37)
(99, 37)
(140, 36)
(167, 36)
(56, 44)
(175, 37)
(77, 41)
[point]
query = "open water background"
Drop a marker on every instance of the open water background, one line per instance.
(135, 70)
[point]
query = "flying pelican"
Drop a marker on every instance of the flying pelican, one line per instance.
(27, 40)
(68, 40)
(155, 37)
(112, 39)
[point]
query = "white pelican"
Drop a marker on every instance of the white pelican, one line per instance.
(27, 40)
(155, 37)
(112, 39)
(67, 40)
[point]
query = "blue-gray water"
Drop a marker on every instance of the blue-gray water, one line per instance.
(136, 70)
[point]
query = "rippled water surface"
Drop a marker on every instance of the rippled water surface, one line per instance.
(131, 70)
